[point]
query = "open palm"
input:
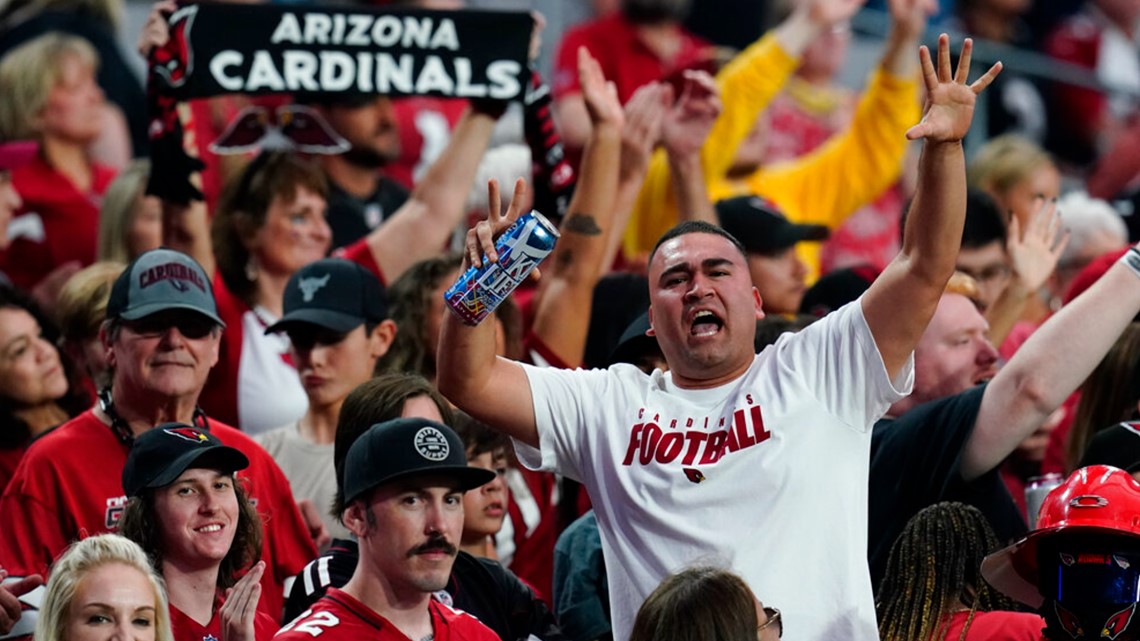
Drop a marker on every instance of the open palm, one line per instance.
(949, 100)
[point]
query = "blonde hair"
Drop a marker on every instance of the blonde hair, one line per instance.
(80, 560)
(27, 75)
(964, 284)
(1004, 162)
(118, 211)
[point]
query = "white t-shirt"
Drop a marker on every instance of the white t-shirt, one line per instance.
(269, 391)
(766, 475)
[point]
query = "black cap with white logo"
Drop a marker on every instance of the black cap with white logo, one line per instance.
(406, 447)
(333, 293)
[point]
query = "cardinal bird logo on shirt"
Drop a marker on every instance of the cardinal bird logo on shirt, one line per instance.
(289, 128)
(189, 434)
(693, 474)
(174, 61)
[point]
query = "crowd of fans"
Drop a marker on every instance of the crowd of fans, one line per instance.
(802, 357)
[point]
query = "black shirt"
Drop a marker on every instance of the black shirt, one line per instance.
(479, 587)
(915, 463)
(351, 218)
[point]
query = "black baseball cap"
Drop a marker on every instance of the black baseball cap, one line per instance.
(406, 447)
(160, 455)
(1118, 446)
(634, 343)
(761, 227)
(159, 280)
(837, 288)
(333, 293)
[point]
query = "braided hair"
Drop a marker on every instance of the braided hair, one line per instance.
(934, 570)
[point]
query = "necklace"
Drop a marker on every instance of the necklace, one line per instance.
(122, 430)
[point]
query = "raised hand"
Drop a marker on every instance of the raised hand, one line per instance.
(826, 13)
(156, 31)
(949, 100)
(688, 122)
(10, 593)
(241, 605)
(601, 97)
(481, 237)
(1035, 251)
(644, 115)
(908, 17)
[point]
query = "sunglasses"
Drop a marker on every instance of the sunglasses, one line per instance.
(774, 619)
(190, 325)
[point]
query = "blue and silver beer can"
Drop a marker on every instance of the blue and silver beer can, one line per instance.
(521, 248)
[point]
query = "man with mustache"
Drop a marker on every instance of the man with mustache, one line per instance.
(403, 486)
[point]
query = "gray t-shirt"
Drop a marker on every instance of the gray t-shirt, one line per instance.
(309, 468)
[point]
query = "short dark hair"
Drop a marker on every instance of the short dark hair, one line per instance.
(477, 436)
(696, 227)
(139, 523)
(984, 223)
(375, 401)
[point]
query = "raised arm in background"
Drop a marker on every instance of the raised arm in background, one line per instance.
(562, 314)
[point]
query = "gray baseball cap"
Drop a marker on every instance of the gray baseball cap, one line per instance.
(158, 280)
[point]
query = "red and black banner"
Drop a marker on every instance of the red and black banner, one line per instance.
(224, 48)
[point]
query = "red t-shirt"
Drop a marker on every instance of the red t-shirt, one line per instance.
(998, 625)
(625, 60)
(69, 486)
(57, 224)
(425, 124)
(9, 459)
(187, 629)
(339, 616)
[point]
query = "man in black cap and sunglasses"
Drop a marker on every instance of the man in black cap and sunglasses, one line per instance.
(162, 337)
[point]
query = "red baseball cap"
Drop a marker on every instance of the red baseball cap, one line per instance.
(17, 153)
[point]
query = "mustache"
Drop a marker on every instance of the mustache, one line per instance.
(435, 543)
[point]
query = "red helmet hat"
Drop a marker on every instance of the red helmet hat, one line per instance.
(1094, 500)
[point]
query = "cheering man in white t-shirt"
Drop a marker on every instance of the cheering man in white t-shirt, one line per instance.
(756, 461)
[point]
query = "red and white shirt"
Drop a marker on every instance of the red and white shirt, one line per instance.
(339, 616)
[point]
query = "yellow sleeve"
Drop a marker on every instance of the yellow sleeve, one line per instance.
(855, 166)
(747, 86)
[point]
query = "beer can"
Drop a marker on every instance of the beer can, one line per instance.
(521, 248)
(1036, 491)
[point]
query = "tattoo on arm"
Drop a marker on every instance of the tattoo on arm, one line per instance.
(583, 224)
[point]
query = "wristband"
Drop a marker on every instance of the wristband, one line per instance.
(1131, 259)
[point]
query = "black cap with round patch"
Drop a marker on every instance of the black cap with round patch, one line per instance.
(406, 447)
(160, 455)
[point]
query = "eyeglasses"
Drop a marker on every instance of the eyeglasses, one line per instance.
(773, 616)
(190, 325)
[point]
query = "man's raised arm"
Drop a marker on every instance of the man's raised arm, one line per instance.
(1051, 364)
(492, 389)
(914, 281)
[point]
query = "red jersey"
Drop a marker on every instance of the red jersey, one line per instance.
(624, 58)
(997, 625)
(425, 124)
(337, 616)
(187, 629)
(57, 224)
(68, 486)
